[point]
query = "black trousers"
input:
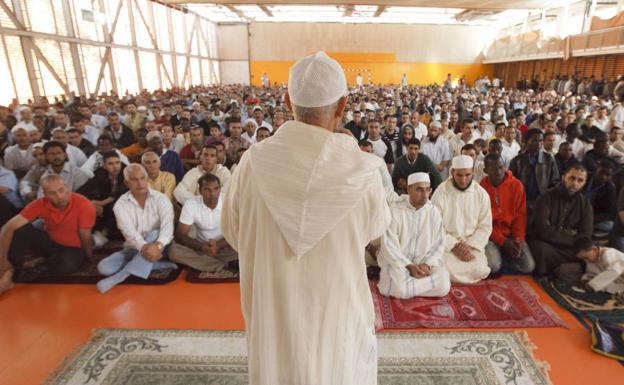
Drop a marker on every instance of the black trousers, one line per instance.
(7, 210)
(59, 259)
(559, 261)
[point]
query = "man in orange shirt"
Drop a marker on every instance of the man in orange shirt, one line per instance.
(507, 245)
(65, 243)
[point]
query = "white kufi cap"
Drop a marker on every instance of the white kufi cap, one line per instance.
(418, 177)
(316, 81)
(462, 161)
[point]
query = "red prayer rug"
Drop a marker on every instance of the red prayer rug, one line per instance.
(487, 304)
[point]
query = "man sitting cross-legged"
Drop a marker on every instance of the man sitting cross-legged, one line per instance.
(465, 208)
(208, 251)
(562, 216)
(145, 218)
(65, 243)
(411, 249)
(507, 245)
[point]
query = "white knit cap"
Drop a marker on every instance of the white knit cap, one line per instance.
(153, 134)
(418, 177)
(316, 81)
(436, 123)
(462, 161)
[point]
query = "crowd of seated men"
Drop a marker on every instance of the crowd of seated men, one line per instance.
(478, 179)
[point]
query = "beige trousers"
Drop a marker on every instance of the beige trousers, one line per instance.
(185, 255)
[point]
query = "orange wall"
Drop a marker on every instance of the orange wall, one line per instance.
(382, 68)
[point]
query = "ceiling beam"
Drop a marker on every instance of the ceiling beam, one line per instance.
(380, 9)
(238, 12)
(489, 4)
(266, 10)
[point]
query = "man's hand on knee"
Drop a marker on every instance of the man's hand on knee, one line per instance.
(152, 252)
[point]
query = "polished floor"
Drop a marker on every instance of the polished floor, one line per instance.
(40, 325)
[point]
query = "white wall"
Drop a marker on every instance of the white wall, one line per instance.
(233, 53)
(411, 43)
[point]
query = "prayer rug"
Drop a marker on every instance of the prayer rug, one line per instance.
(89, 274)
(196, 276)
(608, 339)
(487, 304)
(591, 304)
(193, 357)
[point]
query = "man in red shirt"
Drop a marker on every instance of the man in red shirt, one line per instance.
(65, 243)
(507, 245)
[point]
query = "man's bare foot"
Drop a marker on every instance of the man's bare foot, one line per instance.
(6, 282)
(32, 263)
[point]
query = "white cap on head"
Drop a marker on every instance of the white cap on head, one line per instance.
(316, 81)
(153, 134)
(18, 127)
(436, 124)
(418, 177)
(142, 109)
(462, 161)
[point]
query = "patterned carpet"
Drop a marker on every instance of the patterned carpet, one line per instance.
(487, 304)
(188, 357)
(586, 303)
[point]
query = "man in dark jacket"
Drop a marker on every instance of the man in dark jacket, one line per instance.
(413, 162)
(562, 215)
(121, 134)
(103, 190)
(536, 169)
(603, 198)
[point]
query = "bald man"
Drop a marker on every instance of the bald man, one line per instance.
(65, 243)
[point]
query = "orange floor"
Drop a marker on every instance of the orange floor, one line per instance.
(41, 324)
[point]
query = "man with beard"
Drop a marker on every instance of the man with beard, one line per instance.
(437, 148)
(467, 215)
(562, 216)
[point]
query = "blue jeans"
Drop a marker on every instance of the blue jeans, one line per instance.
(496, 258)
(129, 261)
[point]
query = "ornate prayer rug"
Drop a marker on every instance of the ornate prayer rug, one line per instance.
(196, 276)
(487, 304)
(586, 303)
(193, 357)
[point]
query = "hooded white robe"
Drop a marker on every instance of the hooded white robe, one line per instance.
(607, 273)
(467, 217)
(301, 207)
(415, 236)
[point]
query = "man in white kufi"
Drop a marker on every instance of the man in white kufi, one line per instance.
(300, 209)
(467, 215)
(411, 249)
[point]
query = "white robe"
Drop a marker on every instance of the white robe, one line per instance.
(301, 207)
(467, 217)
(415, 236)
(607, 274)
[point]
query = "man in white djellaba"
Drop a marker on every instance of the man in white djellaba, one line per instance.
(301, 207)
